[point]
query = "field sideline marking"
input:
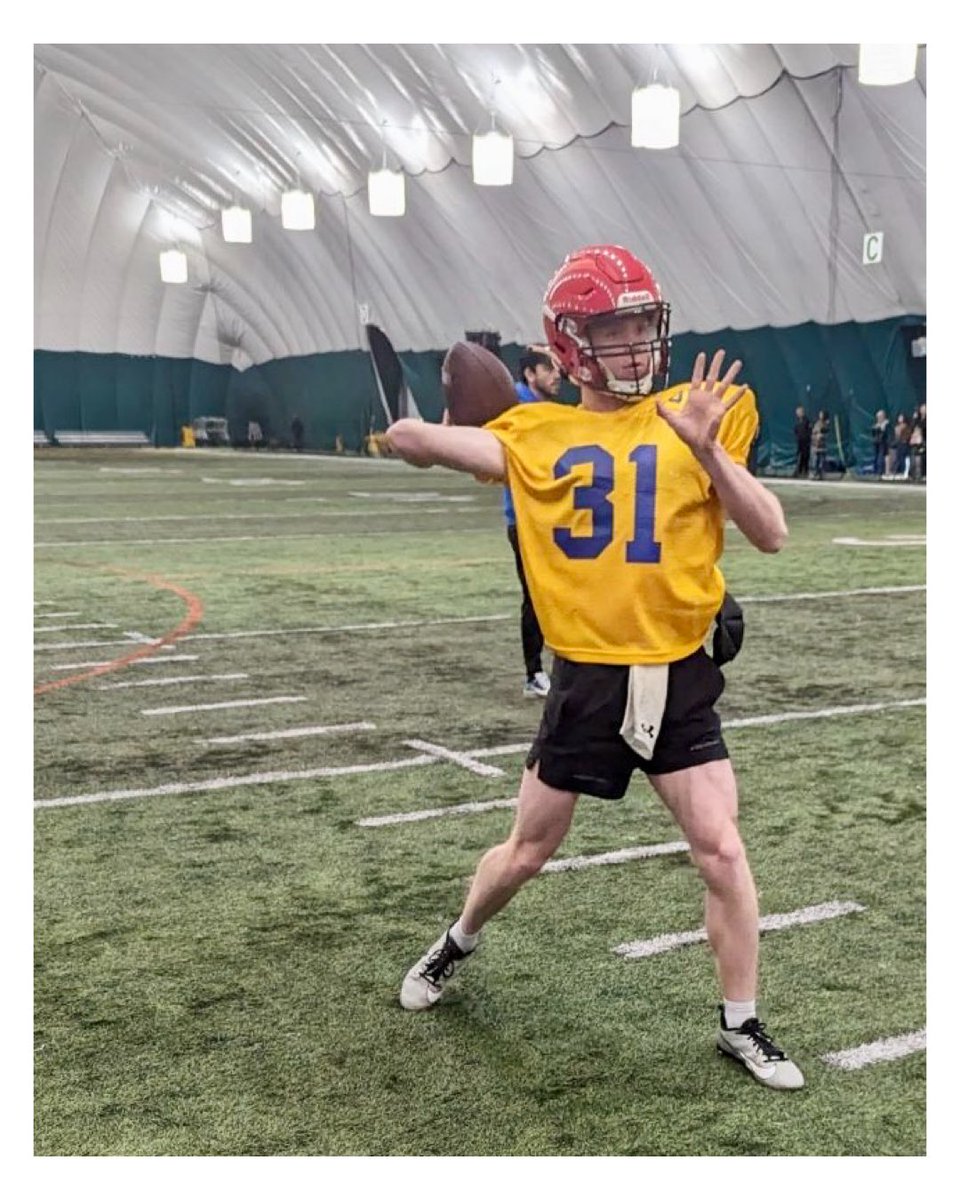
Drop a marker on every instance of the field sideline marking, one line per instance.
(424, 814)
(823, 484)
(166, 682)
(893, 541)
(64, 628)
(182, 708)
(455, 756)
(416, 623)
(846, 710)
(275, 537)
(138, 663)
(884, 1050)
(865, 591)
(266, 516)
(800, 916)
(175, 789)
(629, 854)
(213, 785)
(303, 731)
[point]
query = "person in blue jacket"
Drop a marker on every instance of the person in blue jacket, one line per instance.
(539, 379)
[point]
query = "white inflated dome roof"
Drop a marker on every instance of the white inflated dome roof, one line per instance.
(757, 218)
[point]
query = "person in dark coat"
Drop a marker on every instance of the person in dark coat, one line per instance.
(802, 433)
(880, 432)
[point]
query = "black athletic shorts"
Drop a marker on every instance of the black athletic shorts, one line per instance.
(578, 744)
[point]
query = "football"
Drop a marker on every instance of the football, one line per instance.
(476, 384)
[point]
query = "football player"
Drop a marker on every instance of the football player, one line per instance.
(538, 379)
(620, 507)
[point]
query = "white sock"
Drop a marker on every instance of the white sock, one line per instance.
(735, 1012)
(466, 941)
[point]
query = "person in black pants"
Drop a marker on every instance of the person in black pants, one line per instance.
(818, 438)
(880, 434)
(802, 432)
(539, 380)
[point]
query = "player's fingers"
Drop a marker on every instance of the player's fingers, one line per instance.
(714, 373)
(740, 392)
(699, 363)
(732, 372)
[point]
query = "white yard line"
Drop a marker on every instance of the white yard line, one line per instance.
(87, 645)
(135, 636)
(304, 731)
(425, 814)
(867, 591)
(65, 628)
(847, 710)
(801, 916)
(455, 756)
(412, 624)
(899, 544)
(213, 518)
(612, 857)
(830, 484)
(141, 471)
(235, 781)
(182, 708)
(497, 751)
(171, 679)
(136, 663)
(55, 616)
(421, 761)
(419, 623)
(203, 540)
(884, 1050)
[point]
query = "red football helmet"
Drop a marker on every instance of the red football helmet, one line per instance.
(584, 313)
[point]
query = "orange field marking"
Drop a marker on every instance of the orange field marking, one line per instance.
(190, 621)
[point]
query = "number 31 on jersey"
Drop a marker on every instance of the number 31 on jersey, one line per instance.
(595, 498)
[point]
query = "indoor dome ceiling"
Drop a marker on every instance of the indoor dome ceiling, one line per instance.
(757, 218)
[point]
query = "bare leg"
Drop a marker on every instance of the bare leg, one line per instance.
(703, 801)
(542, 820)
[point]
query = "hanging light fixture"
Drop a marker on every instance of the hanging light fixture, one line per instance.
(237, 224)
(655, 113)
(173, 266)
(882, 65)
(387, 193)
(492, 157)
(297, 210)
(386, 189)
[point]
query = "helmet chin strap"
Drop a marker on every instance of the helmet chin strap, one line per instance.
(630, 390)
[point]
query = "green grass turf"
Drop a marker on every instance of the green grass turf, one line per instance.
(217, 973)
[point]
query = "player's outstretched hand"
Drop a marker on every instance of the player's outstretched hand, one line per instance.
(697, 420)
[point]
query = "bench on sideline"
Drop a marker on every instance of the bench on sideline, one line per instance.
(40, 438)
(90, 437)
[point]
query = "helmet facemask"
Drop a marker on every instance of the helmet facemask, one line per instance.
(625, 353)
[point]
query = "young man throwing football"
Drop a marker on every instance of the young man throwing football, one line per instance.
(620, 507)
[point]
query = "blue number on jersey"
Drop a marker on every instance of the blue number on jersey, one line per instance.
(643, 549)
(594, 498)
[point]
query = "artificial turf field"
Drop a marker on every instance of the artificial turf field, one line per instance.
(217, 969)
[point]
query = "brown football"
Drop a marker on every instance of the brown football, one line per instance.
(476, 384)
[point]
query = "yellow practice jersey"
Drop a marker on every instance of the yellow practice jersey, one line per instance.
(619, 528)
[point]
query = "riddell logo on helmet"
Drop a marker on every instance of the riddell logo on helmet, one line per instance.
(631, 299)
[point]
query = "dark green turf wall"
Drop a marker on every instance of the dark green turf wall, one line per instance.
(849, 369)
